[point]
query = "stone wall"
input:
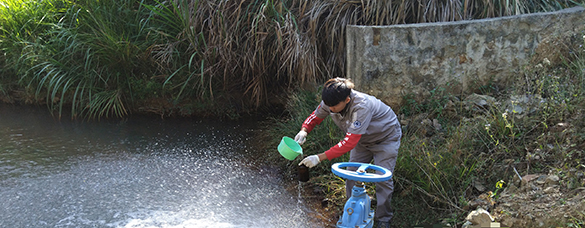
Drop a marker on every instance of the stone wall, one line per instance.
(392, 61)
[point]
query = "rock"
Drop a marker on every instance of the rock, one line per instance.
(467, 224)
(475, 101)
(541, 179)
(403, 120)
(474, 204)
(551, 180)
(450, 109)
(325, 203)
(559, 127)
(479, 186)
(483, 201)
(422, 125)
(436, 125)
(536, 205)
(480, 217)
(550, 190)
(528, 178)
(516, 180)
(518, 104)
(427, 129)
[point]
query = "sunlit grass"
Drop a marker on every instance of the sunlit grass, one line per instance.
(242, 53)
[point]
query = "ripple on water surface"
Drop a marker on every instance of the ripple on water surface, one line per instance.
(137, 173)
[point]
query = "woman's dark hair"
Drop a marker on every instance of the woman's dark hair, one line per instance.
(336, 90)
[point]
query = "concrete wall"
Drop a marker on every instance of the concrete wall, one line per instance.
(391, 61)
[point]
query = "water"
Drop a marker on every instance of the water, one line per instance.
(140, 172)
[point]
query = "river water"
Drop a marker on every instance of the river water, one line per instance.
(139, 172)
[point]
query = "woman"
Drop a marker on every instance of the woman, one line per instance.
(372, 132)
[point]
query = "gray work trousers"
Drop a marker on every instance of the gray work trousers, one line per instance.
(384, 154)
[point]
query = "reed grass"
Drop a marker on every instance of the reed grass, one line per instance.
(241, 53)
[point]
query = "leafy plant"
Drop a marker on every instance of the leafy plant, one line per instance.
(243, 52)
(91, 51)
(432, 105)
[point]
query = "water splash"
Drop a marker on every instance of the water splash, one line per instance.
(145, 173)
(300, 191)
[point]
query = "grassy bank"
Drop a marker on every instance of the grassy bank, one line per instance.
(454, 150)
(110, 58)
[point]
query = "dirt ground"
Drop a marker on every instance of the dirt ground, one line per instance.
(539, 200)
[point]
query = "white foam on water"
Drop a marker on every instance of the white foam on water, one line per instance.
(166, 219)
(191, 223)
(138, 174)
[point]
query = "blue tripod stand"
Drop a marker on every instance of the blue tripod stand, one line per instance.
(357, 212)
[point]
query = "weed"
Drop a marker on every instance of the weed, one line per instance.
(577, 222)
(433, 105)
(499, 186)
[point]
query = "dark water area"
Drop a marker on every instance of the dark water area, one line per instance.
(138, 172)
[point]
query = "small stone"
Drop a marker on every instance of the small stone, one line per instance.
(528, 178)
(436, 124)
(550, 190)
(479, 186)
(531, 187)
(479, 217)
(559, 127)
(481, 101)
(541, 179)
(551, 180)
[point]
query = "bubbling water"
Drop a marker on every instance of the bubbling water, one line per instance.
(170, 174)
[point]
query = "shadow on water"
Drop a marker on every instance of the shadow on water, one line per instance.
(140, 172)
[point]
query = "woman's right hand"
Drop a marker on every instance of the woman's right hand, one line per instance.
(301, 137)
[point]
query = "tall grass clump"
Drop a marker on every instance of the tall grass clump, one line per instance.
(227, 49)
(86, 58)
(107, 58)
(22, 22)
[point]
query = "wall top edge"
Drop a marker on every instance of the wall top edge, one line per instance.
(573, 10)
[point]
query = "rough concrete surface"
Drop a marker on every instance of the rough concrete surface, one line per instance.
(392, 61)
